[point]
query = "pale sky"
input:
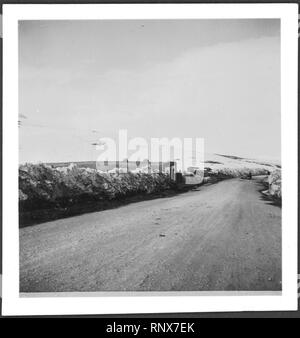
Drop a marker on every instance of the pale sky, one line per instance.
(215, 79)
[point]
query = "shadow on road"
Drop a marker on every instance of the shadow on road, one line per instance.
(46, 215)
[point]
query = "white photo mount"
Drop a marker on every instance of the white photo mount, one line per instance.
(13, 304)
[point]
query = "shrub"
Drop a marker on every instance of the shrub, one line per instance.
(275, 183)
(42, 186)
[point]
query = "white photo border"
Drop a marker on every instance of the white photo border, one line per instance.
(12, 303)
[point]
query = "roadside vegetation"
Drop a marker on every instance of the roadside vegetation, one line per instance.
(47, 192)
(273, 185)
(42, 186)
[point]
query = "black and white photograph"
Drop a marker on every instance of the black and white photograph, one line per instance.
(81, 81)
(150, 157)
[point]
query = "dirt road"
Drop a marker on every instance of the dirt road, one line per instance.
(222, 237)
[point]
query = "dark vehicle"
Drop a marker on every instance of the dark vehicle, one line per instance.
(247, 176)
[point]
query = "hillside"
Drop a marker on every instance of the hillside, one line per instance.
(234, 166)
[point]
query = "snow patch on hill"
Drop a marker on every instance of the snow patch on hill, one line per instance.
(234, 166)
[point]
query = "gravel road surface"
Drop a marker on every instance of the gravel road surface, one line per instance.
(223, 236)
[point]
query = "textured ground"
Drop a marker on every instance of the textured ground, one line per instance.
(221, 237)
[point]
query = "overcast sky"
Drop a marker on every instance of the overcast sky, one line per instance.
(216, 79)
